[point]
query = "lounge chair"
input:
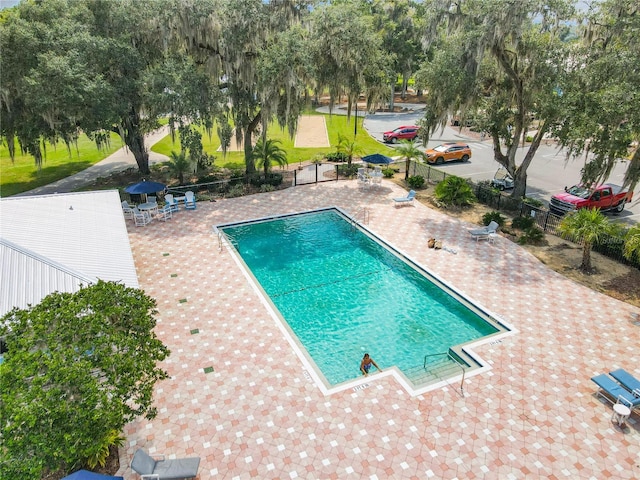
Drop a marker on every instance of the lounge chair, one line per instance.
(484, 233)
(405, 200)
(627, 380)
(161, 469)
(189, 200)
(171, 202)
(610, 391)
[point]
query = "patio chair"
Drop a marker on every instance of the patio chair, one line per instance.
(164, 213)
(405, 200)
(614, 392)
(141, 218)
(485, 233)
(627, 380)
(171, 202)
(127, 209)
(189, 200)
(161, 469)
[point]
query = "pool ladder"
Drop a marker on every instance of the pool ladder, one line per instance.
(454, 360)
(365, 217)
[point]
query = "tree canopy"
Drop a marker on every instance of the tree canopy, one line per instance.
(77, 368)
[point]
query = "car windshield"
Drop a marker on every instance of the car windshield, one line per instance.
(441, 148)
(579, 191)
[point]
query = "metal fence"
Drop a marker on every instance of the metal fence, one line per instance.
(610, 246)
(315, 173)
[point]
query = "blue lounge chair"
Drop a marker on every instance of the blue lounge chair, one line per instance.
(405, 200)
(610, 391)
(627, 380)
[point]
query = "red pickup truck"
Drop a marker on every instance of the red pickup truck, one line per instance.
(605, 197)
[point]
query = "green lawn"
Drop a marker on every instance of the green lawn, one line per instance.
(22, 175)
(336, 125)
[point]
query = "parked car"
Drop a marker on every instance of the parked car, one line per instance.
(406, 132)
(502, 180)
(448, 152)
(605, 197)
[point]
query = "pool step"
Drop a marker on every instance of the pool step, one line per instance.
(435, 372)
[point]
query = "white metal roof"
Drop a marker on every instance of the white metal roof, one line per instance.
(56, 242)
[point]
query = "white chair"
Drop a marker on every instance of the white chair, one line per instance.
(363, 177)
(486, 233)
(171, 202)
(164, 213)
(141, 218)
(189, 200)
(127, 209)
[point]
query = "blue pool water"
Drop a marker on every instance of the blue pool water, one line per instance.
(343, 294)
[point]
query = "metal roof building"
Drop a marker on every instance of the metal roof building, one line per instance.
(59, 242)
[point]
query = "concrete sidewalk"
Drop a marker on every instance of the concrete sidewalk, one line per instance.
(116, 162)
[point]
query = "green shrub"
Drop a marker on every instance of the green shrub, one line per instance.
(317, 158)
(347, 171)
(235, 191)
(534, 202)
(337, 157)
(388, 172)
(489, 217)
(114, 439)
(272, 178)
(266, 187)
(531, 236)
(455, 191)
(528, 139)
(523, 223)
(416, 181)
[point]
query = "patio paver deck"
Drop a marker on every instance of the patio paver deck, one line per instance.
(258, 414)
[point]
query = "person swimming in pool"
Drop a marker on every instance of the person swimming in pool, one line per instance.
(366, 363)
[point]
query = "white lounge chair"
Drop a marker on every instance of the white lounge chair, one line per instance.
(189, 200)
(485, 233)
(171, 202)
(405, 200)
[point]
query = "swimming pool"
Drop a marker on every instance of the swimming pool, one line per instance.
(343, 293)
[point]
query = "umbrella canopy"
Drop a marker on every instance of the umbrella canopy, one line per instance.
(377, 158)
(87, 475)
(145, 187)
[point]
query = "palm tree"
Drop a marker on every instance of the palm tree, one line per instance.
(588, 226)
(348, 147)
(409, 151)
(632, 243)
(267, 152)
(179, 165)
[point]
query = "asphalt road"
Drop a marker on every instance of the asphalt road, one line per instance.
(548, 173)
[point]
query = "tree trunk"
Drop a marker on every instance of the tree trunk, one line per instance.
(248, 147)
(586, 257)
(392, 100)
(520, 173)
(133, 137)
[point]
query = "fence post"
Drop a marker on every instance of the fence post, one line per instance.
(316, 173)
(546, 219)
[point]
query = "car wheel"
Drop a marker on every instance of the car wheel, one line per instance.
(394, 140)
(439, 161)
(620, 206)
(465, 158)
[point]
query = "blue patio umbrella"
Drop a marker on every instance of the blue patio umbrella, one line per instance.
(378, 159)
(145, 187)
(87, 475)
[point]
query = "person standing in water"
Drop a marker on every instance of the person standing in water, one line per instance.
(366, 363)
